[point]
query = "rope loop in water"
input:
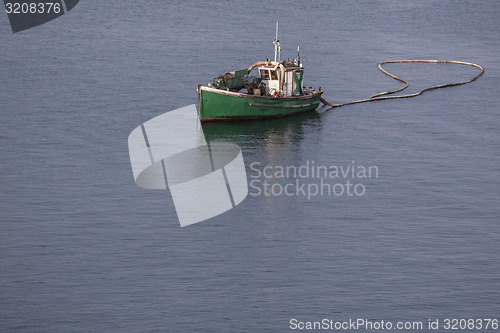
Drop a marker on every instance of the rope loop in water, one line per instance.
(382, 95)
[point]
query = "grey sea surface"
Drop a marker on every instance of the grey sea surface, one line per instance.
(83, 249)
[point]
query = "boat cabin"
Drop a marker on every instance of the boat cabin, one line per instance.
(276, 78)
(292, 80)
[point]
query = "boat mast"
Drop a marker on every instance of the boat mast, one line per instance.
(277, 46)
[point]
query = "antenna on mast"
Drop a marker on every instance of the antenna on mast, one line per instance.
(297, 62)
(277, 46)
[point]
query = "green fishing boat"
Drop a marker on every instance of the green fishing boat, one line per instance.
(277, 91)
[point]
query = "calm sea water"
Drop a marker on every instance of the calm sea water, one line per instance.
(83, 249)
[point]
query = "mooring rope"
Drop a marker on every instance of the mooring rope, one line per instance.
(380, 96)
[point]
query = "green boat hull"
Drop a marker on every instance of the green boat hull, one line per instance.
(215, 104)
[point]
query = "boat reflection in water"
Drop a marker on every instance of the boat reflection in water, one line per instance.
(269, 133)
(273, 142)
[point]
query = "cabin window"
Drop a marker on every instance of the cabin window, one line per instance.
(274, 75)
(264, 74)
